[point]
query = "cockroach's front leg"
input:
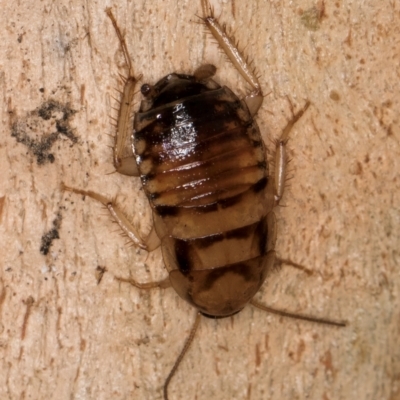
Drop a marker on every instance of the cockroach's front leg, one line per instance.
(255, 98)
(125, 164)
(124, 160)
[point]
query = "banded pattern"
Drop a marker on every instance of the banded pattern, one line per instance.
(203, 168)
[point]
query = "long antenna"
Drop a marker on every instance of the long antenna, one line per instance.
(188, 342)
(121, 40)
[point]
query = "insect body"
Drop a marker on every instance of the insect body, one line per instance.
(202, 163)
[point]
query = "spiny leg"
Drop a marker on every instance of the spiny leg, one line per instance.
(255, 98)
(254, 101)
(150, 243)
(124, 163)
(280, 176)
(281, 159)
(188, 342)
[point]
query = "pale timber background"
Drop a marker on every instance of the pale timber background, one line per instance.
(63, 336)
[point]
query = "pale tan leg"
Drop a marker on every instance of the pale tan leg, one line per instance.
(281, 154)
(278, 263)
(124, 160)
(164, 284)
(255, 98)
(150, 243)
(297, 316)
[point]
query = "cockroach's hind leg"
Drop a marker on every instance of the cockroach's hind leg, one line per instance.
(281, 158)
(124, 160)
(255, 98)
(149, 244)
(278, 264)
(302, 317)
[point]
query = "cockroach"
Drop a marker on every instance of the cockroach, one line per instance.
(202, 163)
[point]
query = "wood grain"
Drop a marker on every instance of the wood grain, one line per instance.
(63, 336)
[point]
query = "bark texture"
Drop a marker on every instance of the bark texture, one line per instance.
(64, 336)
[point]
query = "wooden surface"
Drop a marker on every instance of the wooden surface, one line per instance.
(63, 336)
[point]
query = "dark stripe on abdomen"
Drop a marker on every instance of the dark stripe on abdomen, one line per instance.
(219, 249)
